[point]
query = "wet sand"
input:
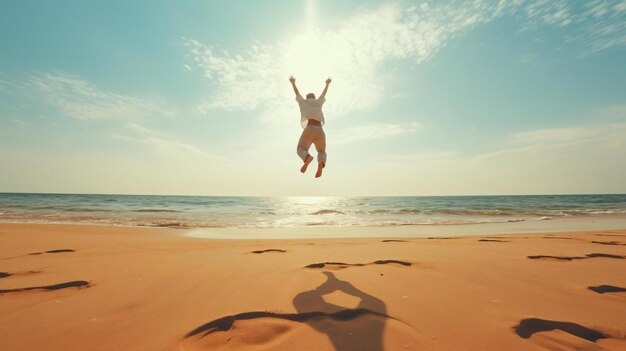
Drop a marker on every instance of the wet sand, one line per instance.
(73, 287)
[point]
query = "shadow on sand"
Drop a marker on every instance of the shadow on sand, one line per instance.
(360, 328)
(363, 334)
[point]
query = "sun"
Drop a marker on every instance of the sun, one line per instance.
(309, 55)
(305, 57)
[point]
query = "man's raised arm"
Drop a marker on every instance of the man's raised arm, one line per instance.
(292, 80)
(328, 80)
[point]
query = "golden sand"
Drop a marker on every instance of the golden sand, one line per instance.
(71, 287)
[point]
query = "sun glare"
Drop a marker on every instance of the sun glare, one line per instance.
(306, 59)
(309, 55)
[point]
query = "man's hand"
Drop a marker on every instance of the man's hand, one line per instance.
(328, 80)
(292, 80)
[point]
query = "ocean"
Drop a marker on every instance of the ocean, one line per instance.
(279, 212)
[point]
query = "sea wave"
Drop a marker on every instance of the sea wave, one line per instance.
(328, 223)
(409, 211)
(266, 213)
(250, 212)
(168, 225)
(394, 211)
(78, 209)
(323, 212)
(512, 213)
(270, 222)
(154, 210)
(480, 212)
(378, 211)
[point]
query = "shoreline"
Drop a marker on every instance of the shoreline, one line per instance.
(554, 225)
(414, 231)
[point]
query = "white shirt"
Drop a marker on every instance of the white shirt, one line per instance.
(310, 109)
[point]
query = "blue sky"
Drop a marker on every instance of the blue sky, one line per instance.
(428, 98)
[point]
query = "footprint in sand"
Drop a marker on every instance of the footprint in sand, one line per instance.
(568, 335)
(571, 258)
(527, 327)
(7, 274)
(602, 289)
(72, 284)
(610, 234)
(268, 250)
(342, 265)
(42, 252)
(616, 243)
(53, 251)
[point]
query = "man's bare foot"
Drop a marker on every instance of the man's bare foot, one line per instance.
(307, 160)
(320, 167)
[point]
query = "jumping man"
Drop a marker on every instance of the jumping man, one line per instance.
(312, 120)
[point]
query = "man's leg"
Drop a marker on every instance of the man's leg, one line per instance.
(320, 146)
(306, 139)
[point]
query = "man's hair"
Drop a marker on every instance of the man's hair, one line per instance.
(310, 96)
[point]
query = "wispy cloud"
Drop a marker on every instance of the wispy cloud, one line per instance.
(554, 135)
(3, 83)
(613, 132)
(245, 82)
(356, 52)
(6, 85)
(83, 100)
(549, 12)
(594, 25)
(575, 159)
(579, 142)
(136, 133)
(372, 131)
(528, 58)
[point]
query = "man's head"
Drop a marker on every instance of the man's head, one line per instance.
(310, 96)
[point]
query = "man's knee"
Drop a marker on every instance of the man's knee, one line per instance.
(302, 152)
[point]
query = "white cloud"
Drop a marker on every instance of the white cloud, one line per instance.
(356, 52)
(80, 99)
(353, 53)
(593, 25)
(245, 83)
(549, 12)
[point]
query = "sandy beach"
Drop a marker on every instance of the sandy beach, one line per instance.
(73, 287)
(313, 175)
